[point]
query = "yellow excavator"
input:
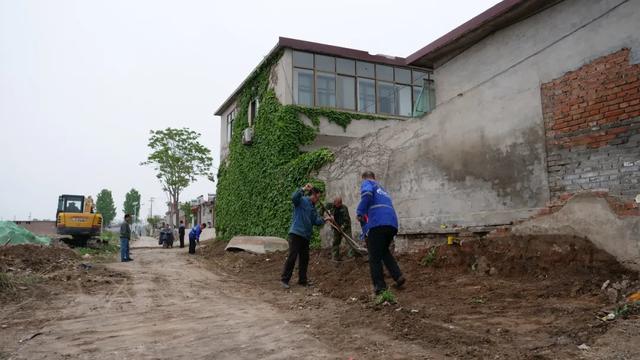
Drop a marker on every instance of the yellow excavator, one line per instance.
(76, 216)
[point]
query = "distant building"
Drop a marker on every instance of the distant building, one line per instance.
(203, 210)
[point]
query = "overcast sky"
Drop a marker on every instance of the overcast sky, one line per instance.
(82, 82)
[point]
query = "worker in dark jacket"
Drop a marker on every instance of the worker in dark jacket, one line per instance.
(340, 214)
(380, 229)
(194, 235)
(305, 216)
(125, 236)
(181, 230)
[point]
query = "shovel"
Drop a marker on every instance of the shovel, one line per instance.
(352, 243)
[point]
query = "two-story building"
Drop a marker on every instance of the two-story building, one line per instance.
(325, 76)
(509, 120)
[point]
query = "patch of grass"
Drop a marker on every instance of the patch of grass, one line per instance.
(385, 296)
(430, 258)
(102, 250)
(9, 282)
(626, 310)
(478, 300)
(6, 282)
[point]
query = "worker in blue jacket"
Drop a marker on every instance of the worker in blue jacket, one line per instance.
(305, 216)
(194, 236)
(380, 229)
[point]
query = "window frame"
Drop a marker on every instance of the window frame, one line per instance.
(428, 73)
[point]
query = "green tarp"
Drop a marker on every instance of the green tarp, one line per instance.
(12, 234)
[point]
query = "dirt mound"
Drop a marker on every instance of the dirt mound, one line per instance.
(37, 271)
(514, 297)
(528, 256)
(36, 258)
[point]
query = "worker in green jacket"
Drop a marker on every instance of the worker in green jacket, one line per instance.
(340, 213)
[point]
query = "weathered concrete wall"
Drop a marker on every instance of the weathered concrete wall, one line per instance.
(332, 135)
(589, 216)
(479, 158)
(281, 79)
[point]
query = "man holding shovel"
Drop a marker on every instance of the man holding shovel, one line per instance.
(342, 221)
(305, 216)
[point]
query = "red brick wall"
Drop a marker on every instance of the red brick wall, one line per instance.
(592, 126)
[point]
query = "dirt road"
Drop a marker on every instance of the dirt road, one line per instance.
(168, 307)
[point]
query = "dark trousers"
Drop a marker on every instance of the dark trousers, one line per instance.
(192, 245)
(298, 248)
(182, 240)
(380, 239)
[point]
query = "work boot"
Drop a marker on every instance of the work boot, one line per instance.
(401, 280)
(285, 285)
(305, 283)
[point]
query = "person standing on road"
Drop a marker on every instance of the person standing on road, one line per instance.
(340, 214)
(194, 235)
(125, 236)
(181, 233)
(305, 216)
(380, 229)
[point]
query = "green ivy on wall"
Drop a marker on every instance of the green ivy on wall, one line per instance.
(342, 118)
(256, 182)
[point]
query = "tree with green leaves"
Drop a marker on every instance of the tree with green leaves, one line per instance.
(106, 206)
(186, 211)
(154, 221)
(178, 159)
(132, 203)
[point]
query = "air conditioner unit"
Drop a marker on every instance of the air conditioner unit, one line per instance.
(247, 136)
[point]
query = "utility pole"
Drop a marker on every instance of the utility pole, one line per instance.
(151, 206)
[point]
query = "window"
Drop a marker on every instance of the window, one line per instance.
(384, 72)
(326, 90)
(418, 102)
(366, 95)
(419, 77)
(303, 60)
(327, 81)
(344, 66)
(403, 76)
(365, 69)
(303, 87)
(230, 119)
(253, 111)
(73, 204)
(403, 100)
(325, 63)
(386, 98)
(346, 87)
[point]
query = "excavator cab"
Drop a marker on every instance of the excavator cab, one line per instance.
(76, 216)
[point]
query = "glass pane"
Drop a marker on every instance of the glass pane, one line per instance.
(325, 63)
(302, 59)
(386, 98)
(345, 66)
(326, 90)
(346, 92)
(365, 69)
(418, 102)
(418, 77)
(403, 100)
(366, 95)
(403, 75)
(73, 204)
(303, 87)
(384, 72)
